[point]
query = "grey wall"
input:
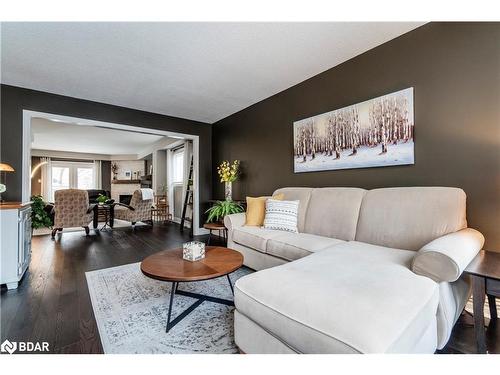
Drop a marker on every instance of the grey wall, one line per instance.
(455, 70)
(15, 99)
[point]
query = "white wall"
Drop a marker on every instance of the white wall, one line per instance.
(128, 165)
(123, 166)
(159, 171)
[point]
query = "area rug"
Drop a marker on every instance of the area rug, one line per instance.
(131, 313)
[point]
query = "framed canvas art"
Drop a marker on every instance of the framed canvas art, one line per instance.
(374, 133)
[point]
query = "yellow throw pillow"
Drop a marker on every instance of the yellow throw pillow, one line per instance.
(256, 209)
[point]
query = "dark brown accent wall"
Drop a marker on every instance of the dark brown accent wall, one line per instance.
(455, 70)
(15, 99)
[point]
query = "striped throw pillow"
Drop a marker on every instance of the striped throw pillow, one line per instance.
(281, 215)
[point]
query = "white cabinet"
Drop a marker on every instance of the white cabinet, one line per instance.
(15, 243)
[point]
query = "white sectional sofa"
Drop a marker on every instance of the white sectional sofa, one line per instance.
(370, 271)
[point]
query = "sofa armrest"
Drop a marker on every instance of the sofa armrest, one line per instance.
(446, 257)
(234, 221)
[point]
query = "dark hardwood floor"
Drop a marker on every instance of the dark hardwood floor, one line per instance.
(463, 340)
(52, 302)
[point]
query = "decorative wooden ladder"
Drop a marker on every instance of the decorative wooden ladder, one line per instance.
(188, 202)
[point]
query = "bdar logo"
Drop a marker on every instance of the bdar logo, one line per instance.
(9, 347)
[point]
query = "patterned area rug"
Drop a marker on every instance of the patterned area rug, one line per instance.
(131, 313)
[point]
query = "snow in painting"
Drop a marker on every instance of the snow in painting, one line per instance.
(375, 133)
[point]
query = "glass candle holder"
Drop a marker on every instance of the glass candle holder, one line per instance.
(193, 251)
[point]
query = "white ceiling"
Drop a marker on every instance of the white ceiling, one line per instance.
(62, 136)
(199, 71)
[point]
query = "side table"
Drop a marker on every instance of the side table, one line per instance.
(216, 226)
(105, 212)
(485, 273)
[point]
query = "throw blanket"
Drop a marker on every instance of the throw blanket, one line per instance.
(147, 194)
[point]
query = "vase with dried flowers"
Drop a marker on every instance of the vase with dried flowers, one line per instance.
(228, 173)
(114, 169)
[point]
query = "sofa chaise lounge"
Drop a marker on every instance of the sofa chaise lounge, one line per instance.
(370, 271)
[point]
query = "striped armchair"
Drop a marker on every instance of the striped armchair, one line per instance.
(72, 209)
(137, 210)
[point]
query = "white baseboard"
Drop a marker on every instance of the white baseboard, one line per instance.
(201, 231)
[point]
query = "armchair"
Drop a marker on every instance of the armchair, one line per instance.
(138, 210)
(72, 209)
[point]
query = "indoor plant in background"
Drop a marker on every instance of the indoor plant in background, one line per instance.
(101, 198)
(228, 173)
(39, 216)
(220, 209)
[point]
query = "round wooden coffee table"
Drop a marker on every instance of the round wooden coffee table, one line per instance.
(169, 266)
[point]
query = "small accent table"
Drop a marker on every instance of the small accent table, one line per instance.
(216, 226)
(485, 273)
(106, 213)
(168, 265)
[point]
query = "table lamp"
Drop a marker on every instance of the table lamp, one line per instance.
(4, 168)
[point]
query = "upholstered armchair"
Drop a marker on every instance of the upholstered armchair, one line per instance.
(72, 209)
(138, 210)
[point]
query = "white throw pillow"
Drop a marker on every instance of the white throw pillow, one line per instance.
(281, 215)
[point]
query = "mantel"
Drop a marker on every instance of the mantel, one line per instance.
(125, 181)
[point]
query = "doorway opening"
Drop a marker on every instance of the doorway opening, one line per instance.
(83, 160)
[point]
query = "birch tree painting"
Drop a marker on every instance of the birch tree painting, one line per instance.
(374, 133)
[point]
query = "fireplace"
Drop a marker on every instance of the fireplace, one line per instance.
(125, 198)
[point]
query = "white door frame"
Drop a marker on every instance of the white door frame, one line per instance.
(170, 178)
(26, 160)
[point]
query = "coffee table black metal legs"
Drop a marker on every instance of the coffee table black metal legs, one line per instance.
(200, 299)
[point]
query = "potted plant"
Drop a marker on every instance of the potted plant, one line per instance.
(39, 217)
(219, 210)
(228, 173)
(101, 198)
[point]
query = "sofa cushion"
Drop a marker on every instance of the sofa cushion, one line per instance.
(256, 209)
(333, 212)
(292, 246)
(409, 217)
(353, 297)
(297, 194)
(281, 215)
(254, 237)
